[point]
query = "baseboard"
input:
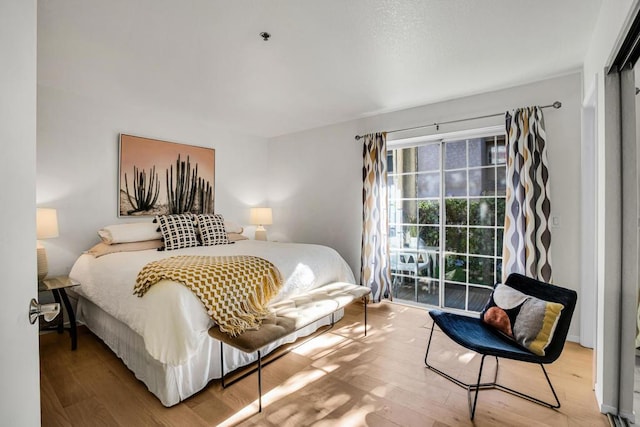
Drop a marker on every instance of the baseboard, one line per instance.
(574, 338)
(608, 409)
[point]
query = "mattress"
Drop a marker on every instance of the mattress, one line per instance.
(162, 337)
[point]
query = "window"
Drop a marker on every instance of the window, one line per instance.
(446, 216)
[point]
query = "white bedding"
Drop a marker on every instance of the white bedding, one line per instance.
(170, 318)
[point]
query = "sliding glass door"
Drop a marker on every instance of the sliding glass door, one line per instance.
(446, 212)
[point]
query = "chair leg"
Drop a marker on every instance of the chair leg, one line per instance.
(364, 299)
(487, 386)
(449, 377)
(477, 387)
(222, 363)
(259, 381)
(555, 405)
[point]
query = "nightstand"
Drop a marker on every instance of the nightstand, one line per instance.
(57, 286)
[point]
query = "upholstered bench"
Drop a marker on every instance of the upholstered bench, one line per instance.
(288, 316)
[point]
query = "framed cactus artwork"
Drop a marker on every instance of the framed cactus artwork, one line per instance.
(159, 177)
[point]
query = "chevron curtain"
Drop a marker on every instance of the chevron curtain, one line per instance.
(527, 238)
(374, 271)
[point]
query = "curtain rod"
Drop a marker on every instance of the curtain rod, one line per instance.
(555, 105)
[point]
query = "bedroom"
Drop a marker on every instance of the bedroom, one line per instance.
(76, 151)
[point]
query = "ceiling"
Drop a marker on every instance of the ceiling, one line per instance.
(327, 61)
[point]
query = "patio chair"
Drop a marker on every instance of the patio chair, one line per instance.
(475, 334)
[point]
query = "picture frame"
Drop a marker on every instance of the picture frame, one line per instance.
(158, 177)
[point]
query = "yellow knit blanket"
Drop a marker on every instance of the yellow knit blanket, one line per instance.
(234, 289)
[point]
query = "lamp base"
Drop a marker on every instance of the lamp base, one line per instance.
(261, 233)
(43, 265)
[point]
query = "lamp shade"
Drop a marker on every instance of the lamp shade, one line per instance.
(261, 216)
(46, 223)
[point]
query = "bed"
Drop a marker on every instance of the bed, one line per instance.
(163, 336)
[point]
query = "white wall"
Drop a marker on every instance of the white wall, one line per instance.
(77, 165)
(315, 177)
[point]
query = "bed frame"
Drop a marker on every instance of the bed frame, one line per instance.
(172, 384)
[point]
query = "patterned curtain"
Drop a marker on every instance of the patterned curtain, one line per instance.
(527, 238)
(374, 270)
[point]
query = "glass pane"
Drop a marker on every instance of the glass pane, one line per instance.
(429, 264)
(411, 237)
(429, 292)
(482, 182)
(395, 237)
(499, 270)
(429, 238)
(429, 157)
(501, 181)
(394, 214)
(409, 210)
(391, 184)
(428, 185)
(455, 268)
(390, 161)
(406, 160)
(454, 295)
(407, 187)
(481, 211)
(455, 211)
(500, 207)
(455, 184)
(481, 271)
(455, 155)
(499, 154)
(499, 235)
(456, 239)
(429, 212)
(404, 288)
(477, 156)
(481, 241)
(478, 297)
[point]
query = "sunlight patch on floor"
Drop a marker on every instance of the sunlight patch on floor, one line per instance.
(292, 385)
(355, 417)
(323, 343)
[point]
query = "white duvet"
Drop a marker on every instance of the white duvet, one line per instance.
(169, 317)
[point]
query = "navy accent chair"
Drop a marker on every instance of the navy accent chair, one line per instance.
(475, 335)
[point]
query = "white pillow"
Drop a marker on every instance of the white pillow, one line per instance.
(130, 232)
(232, 227)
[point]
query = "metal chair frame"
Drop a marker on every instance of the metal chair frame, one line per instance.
(490, 385)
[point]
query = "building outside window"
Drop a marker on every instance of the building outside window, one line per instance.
(446, 216)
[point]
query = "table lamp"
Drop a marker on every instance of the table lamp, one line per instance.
(46, 228)
(261, 217)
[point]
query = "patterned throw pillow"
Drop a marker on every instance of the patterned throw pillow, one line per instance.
(212, 231)
(178, 231)
(528, 320)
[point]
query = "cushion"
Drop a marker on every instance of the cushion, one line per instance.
(528, 320)
(234, 237)
(212, 231)
(129, 232)
(233, 227)
(104, 249)
(178, 231)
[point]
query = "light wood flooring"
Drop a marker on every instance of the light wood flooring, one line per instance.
(340, 378)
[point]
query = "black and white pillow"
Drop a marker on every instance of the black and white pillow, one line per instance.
(212, 231)
(178, 231)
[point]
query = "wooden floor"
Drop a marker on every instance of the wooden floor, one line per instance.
(338, 379)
